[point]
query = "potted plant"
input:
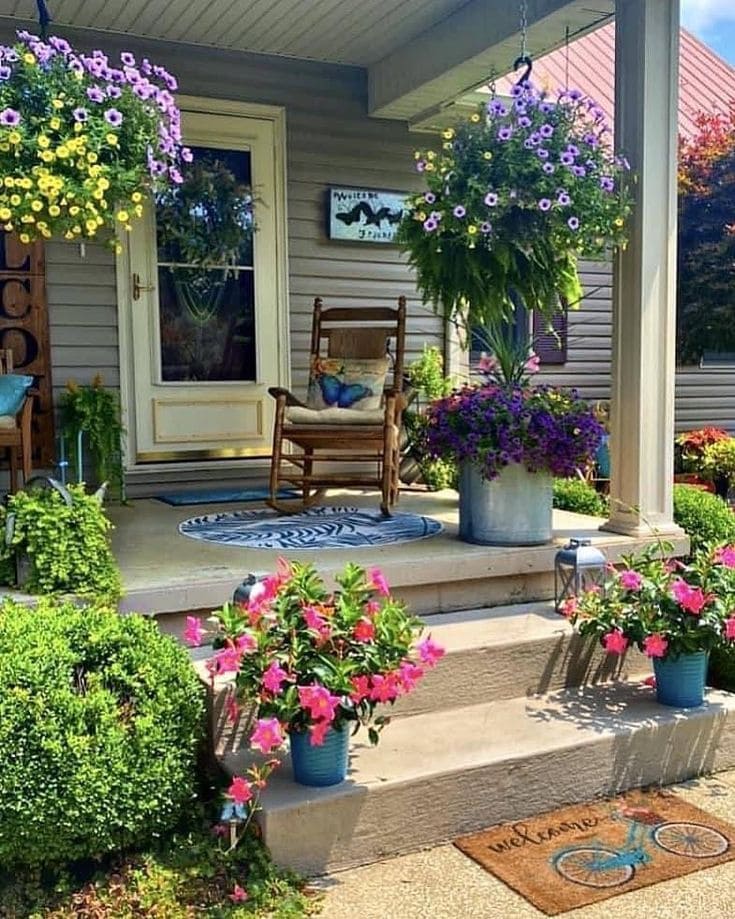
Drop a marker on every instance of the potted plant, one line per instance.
(510, 440)
(83, 139)
(518, 192)
(689, 455)
(675, 613)
(316, 663)
(718, 464)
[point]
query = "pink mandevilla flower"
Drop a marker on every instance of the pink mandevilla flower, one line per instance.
(487, 364)
(193, 633)
(378, 582)
(385, 687)
(372, 608)
(313, 619)
(240, 790)
(430, 652)
(360, 688)
(239, 894)
(274, 677)
(691, 599)
(533, 364)
(726, 556)
(267, 735)
(318, 733)
(227, 660)
(655, 645)
(319, 701)
(409, 674)
(615, 642)
(631, 580)
(569, 606)
(364, 630)
(730, 628)
(246, 643)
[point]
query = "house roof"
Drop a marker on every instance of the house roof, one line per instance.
(707, 82)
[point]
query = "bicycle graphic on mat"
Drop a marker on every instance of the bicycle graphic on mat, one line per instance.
(601, 865)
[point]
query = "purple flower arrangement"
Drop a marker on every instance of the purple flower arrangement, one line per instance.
(518, 193)
(98, 136)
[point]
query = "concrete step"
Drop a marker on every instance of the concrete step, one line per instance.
(436, 776)
(492, 654)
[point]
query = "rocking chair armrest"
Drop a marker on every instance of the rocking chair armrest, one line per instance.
(286, 396)
(395, 403)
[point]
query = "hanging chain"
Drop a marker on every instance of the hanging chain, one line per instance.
(491, 84)
(524, 28)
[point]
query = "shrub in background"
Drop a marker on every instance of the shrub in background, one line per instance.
(580, 497)
(100, 723)
(704, 517)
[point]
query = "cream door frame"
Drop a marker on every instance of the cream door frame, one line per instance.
(201, 105)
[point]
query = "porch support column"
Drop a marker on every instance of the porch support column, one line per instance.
(644, 279)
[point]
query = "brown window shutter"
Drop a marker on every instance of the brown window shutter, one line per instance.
(551, 346)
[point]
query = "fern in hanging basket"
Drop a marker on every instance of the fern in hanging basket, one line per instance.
(516, 194)
(83, 139)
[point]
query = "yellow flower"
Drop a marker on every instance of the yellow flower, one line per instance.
(26, 183)
(487, 155)
(94, 171)
(138, 209)
(474, 118)
(14, 137)
(27, 218)
(448, 134)
(123, 216)
(29, 58)
(74, 210)
(98, 194)
(36, 205)
(78, 127)
(136, 196)
(118, 249)
(619, 222)
(55, 124)
(47, 156)
(472, 229)
(430, 167)
(420, 215)
(54, 210)
(68, 235)
(92, 157)
(4, 147)
(9, 181)
(5, 213)
(103, 183)
(8, 228)
(57, 103)
(447, 145)
(91, 226)
(46, 233)
(24, 238)
(76, 229)
(111, 139)
(430, 155)
(15, 200)
(43, 141)
(417, 154)
(62, 152)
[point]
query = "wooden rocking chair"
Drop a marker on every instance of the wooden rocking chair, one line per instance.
(343, 437)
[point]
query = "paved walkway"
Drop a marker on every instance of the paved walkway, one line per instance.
(442, 883)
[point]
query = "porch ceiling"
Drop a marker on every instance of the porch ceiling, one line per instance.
(337, 31)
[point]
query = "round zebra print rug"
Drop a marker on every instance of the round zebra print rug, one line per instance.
(315, 528)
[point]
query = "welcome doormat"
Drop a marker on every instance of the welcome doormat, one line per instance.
(586, 853)
(222, 496)
(314, 528)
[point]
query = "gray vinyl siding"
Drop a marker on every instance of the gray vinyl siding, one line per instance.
(704, 396)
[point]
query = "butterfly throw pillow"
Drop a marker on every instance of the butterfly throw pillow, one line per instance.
(346, 383)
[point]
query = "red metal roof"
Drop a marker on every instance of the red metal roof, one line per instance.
(706, 83)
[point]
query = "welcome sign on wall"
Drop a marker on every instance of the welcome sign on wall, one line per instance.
(364, 214)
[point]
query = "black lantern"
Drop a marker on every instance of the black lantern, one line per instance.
(577, 567)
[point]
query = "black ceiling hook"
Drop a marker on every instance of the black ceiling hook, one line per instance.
(44, 18)
(523, 60)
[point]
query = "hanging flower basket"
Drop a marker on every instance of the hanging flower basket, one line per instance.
(83, 139)
(516, 194)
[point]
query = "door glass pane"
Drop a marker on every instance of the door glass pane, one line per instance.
(206, 296)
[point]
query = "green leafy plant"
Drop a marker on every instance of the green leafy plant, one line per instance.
(82, 138)
(579, 497)
(705, 518)
(101, 718)
(691, 446)
(95, 411)
(516, 195)
(426, 376)
(664, 607)
(66, 545)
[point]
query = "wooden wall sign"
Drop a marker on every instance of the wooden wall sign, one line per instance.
(24, 330)
(364, 214)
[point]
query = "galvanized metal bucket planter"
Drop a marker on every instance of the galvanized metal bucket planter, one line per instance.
(514, 509)
(680, 680)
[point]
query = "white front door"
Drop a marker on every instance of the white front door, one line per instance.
(206, 343)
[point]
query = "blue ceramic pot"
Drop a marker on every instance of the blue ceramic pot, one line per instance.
(320, 765)
(680, 680)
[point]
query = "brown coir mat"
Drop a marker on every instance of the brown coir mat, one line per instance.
(582, 854)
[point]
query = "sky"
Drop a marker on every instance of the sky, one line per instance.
(714, 22)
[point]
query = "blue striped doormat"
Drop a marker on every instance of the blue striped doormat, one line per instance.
(222, 496)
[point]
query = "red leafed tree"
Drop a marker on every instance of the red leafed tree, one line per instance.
(706, 288)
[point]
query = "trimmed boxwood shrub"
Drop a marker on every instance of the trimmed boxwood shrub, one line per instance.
(703, 516)
(101, 718)
(579, 497)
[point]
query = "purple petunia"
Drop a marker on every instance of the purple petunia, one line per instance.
(566, 159)
(544, 204)
(573, 223)
(546, 107)
(591, 140)
(5, 72)
(579, 171)
(9, 118)
(575, 95)
(128, 59)
(496, 107)
(564, 199)
(542, 153)
(546, 130)
(516, 91)
(491, 199)
(437, 215)
(573, 150)
(607, 184)
(505, 133)
(113, 92)
(420, 165)
(430, 224)
(430, 197)
(186, 155)
(459, 211)
(549, 168)
(486, 227)
(80, 114)
(175, 176)
(95, 94)
(62, 46)
(524, 122)
(113, 117)
(528, 144)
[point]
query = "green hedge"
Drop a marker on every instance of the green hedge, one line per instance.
(705, 518)
(101, 719)
(579, 497)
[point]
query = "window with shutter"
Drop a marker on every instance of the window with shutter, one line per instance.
(551, 343)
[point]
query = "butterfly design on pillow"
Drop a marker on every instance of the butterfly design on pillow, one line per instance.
(336, 392)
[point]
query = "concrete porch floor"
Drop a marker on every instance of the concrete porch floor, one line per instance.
(165, 572)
